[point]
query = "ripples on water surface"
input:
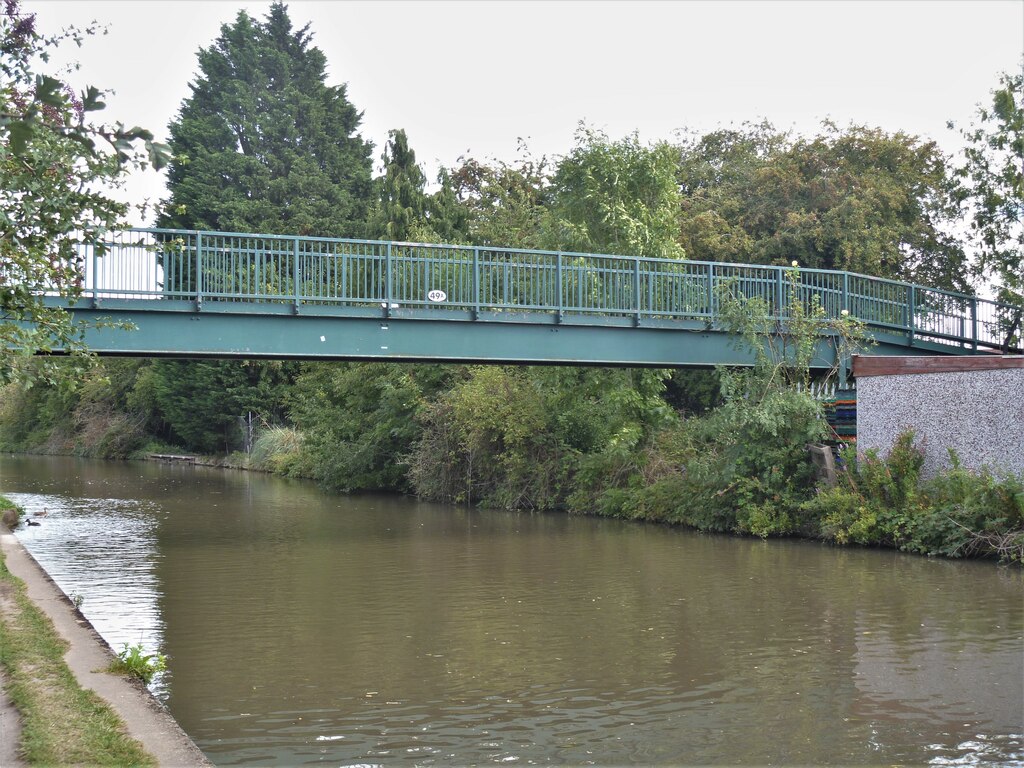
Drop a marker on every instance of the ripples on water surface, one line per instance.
(304, 628)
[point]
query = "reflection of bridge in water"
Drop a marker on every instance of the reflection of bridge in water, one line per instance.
(211, 294)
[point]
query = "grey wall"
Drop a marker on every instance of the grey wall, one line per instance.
(980, 414)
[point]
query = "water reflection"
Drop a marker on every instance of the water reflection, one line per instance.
(302, 627)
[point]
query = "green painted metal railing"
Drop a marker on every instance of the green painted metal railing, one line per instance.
(544, 286)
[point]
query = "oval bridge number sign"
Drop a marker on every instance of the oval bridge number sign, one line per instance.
(437, 295)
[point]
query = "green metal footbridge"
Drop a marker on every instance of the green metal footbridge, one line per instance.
(221, 294)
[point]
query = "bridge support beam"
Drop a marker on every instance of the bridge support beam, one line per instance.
(221, 334)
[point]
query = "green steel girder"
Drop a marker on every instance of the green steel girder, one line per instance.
(233, 330)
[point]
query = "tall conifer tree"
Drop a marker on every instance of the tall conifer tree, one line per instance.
(263, 144)
(402, 201)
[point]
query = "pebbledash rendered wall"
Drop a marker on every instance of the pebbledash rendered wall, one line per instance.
(977, 413)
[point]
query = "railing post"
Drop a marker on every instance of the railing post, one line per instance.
(846, 291)
(636, 290)
(711, 293)
(974, 323)
(199, 270)
(911, 312)
(558, 287)
(778, 291)
(476, 282)
(387, 281)
(296, 274)
(95, 277)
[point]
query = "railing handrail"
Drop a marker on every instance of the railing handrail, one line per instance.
(841, 289)
(562, 253)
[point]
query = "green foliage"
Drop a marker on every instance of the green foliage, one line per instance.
(134, 661)
(516, 437)
(973, 514)
(873, 500)
(857, 198)
(263, 144)
(505, 204)
(277, 449)
(784, 347)
(95, 419)
(957, 513)
(447, 218)
(198, 404)
(617, 197)
(54, 155)
(742, 467)
(402, 202)
(991, 184)
(358, 419)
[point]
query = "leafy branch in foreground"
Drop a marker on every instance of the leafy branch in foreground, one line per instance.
(53, 158)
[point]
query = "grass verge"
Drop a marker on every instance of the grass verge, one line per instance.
(61, 723)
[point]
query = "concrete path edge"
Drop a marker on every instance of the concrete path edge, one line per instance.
(146, 719)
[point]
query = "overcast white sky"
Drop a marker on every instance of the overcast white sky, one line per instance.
(472, 77)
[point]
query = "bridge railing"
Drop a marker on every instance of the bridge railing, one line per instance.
(310, 271)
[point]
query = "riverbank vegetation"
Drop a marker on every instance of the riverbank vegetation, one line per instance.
(719, 450)
(61, 723)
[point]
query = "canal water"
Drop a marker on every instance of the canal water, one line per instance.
(304, 628)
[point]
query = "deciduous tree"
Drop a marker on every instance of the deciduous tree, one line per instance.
(856, 198)
(992, 188)
(617, 197)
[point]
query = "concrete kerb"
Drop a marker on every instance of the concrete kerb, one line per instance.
(146, 718)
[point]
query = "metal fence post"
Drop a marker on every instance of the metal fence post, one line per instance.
(636, 290)
(711, 293)
(974, 323)
(476, 282)
(387, 281)
(911, 311)
(778, 291)
(95, 277)
(846, 291)
(296, 274)
(199, 270)
(558, 287)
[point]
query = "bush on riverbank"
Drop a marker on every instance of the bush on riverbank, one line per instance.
(518, 438)
(742, 468)
(958, 513)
